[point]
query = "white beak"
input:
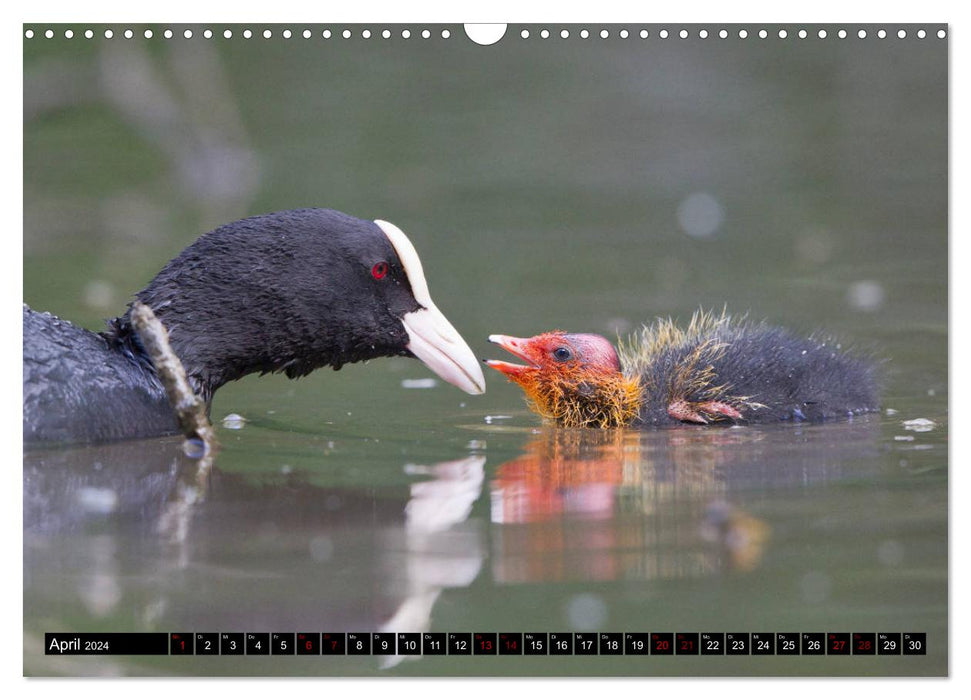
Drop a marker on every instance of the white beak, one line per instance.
(431, 338)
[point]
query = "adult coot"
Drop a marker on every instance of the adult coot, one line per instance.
(715, 370)
(284, 292)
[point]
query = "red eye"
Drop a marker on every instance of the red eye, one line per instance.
(379, 270)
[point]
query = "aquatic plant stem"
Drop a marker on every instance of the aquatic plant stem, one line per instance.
(190, 409)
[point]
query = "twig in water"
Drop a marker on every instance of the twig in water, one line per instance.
(190, 410)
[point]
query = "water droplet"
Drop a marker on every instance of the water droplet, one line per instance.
(919, 425)
(234, 421)
(425, 383)
(586, 611)
(700, 215)
(865, 295)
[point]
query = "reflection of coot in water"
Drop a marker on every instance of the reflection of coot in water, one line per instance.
(72, 490)
(716, 370)
(285, 292)
(247, 550)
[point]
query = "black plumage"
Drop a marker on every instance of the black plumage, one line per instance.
(79, 387)
(286, 292)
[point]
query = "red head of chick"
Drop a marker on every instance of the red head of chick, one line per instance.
(572, 378)
(715, 370)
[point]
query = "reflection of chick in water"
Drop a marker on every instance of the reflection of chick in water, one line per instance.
(741, 536)
(563, 471)
(606, 505)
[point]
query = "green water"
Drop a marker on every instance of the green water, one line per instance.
(541, 182)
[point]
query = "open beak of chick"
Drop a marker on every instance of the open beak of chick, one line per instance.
(526, 349)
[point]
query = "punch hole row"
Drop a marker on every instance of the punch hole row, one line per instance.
(524, 34)
(245, 34)
(725, 33)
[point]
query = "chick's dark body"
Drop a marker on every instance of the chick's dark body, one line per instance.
(766, 373)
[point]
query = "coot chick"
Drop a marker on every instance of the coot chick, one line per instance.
(717, 370)
(288, 292)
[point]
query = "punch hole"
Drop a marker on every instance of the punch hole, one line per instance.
(129, 34)
(902, 34)
(167, 34)
(763, 34)
(68, 34)
(425, 34)
(683, 34)
(446, 34)
(564, 34)
(644, 34)
(287, 34)
(207, 33)
(89, 34)
(386, 34)
(524, 34)
(624, 34)
(783, 33)
(803, 33)
(821, 33)
(584, 34)
(483, 34)
(841, 33)
(29, 34)
(882, 34)
(921, 34)
(405, 33)
(545, 34)
(742, 34)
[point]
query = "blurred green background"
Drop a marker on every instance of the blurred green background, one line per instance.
(586, 184)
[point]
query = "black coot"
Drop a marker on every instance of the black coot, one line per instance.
(286, 292)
